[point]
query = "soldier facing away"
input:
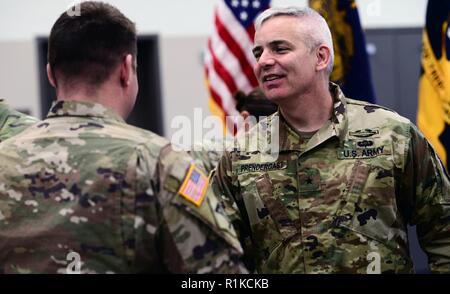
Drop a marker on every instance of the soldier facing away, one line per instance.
(12, 122)
(349, 175)
(82, 191)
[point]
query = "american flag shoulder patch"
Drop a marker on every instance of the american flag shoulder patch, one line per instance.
(194, 185)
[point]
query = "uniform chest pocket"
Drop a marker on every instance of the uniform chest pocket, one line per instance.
(368, 206)
(268, 209)
(279, 206)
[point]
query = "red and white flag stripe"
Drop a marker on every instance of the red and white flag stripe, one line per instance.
(229, 60)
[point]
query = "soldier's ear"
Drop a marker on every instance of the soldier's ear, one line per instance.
(323, 57)
(126, 70)
(51, 76)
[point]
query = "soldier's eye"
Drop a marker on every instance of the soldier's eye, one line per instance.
(281, 49)
(257, 54)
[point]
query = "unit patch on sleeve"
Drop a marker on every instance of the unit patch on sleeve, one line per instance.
(194, 186)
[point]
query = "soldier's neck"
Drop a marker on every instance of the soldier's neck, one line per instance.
(104, 94)
(309, 112)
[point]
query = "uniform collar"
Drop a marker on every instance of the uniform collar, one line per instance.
(82, 109)
(336, 126)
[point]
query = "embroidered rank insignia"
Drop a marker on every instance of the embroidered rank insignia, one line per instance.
(194, 186)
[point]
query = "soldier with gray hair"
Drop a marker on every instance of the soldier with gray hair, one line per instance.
(83, 192)
(349, 176)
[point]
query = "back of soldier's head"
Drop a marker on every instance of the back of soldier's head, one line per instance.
(88, 46)
(255, 103)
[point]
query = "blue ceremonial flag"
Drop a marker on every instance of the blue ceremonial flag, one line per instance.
(351, 64)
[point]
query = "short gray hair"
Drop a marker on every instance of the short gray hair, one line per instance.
(321, 35)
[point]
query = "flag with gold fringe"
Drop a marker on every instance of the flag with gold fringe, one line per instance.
(351, 64)
(433, 114)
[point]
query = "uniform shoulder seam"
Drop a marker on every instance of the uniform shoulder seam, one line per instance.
(394, 113)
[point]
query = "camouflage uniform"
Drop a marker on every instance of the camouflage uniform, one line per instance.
(206, 154)
(12, 122)
(84, 182)
(209, 152)
(340, 202)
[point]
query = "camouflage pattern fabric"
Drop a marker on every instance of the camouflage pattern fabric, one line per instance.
(206, 154)
(340, 202)
(83, 182)
(12, 122)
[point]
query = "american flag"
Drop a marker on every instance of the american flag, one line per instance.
(228, 59)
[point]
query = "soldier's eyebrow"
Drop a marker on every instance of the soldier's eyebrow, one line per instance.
(276, 43)
(272, 44)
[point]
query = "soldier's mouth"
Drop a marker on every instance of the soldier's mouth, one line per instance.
(272, 77)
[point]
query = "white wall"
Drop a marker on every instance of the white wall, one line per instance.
(19, 75)
(24, 19)
(182, 77)
(183, 26)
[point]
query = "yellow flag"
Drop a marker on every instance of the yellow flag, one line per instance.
(433, 115)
